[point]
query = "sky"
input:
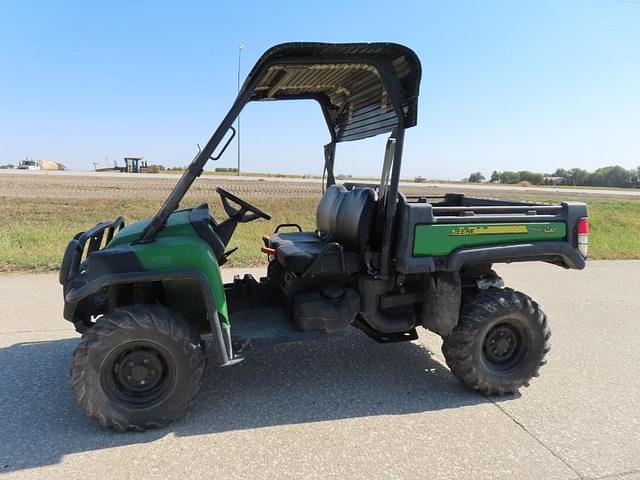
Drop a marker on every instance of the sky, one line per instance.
(506, 84)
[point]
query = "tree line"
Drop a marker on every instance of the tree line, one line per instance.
(612, 176)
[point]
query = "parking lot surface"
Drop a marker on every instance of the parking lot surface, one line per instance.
(346, 407)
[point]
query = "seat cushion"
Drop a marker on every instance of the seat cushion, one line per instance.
(344, 216)
(298, 257)
(280, 238)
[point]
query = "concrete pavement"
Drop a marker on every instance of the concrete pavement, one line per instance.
(346, 407)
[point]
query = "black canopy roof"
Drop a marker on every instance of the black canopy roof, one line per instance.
(363, 88)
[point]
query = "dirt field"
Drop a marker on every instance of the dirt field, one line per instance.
(40, 213)
(38, 185)
(45, 186)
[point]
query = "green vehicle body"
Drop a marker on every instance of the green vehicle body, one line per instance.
(379, 261)
(178, 247)
(174, 257)
(441, 239)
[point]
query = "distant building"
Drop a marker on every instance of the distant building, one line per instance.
(548, 180)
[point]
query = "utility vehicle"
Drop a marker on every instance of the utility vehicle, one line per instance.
(380, 261)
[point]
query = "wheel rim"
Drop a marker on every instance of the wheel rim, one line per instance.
(505, 346)
(138, 375)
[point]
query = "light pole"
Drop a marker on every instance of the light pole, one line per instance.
(240, 47)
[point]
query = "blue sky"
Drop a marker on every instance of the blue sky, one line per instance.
(534, 84)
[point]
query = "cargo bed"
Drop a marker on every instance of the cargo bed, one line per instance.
(445, 233)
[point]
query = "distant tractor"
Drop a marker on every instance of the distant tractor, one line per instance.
(132, 164)
(135, 165)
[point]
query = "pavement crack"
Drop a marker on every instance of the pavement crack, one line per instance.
(546, 447)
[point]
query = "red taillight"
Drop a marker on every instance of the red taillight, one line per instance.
(582, 229)
(583, 226)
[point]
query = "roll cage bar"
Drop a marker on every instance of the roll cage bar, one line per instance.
(364, 89)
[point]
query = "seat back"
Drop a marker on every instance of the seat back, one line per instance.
(347, 216)
(327, 213)
(355, 218)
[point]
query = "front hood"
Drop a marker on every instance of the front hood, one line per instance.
(177, 224)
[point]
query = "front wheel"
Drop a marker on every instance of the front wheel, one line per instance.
(138, 367)
(499, 343)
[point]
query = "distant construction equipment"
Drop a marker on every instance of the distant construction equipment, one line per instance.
(27, 164)
(132, 164)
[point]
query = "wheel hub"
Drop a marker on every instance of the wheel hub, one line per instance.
(501, 343)
(139, 370)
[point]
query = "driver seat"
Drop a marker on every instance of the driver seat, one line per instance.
(344, 219)
(326, 212)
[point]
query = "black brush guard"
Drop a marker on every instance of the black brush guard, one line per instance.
(78, 247)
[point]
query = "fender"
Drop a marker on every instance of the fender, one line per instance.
(222, 339)
(558, 253)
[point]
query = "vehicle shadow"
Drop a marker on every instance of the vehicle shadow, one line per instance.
(343, 377)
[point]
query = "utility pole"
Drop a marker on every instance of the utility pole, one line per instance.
(240, 47)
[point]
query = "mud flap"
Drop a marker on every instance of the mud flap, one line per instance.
(441, 309)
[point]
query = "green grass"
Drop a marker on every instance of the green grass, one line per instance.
(34, 233)
(614, 230)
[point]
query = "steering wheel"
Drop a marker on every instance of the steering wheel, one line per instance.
(246, 212)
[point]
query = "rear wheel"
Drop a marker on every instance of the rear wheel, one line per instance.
(499, 343)
(137, 368)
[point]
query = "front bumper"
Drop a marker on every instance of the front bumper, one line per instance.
(77, 249)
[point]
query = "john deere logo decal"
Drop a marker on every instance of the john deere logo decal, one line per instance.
(473, 230)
